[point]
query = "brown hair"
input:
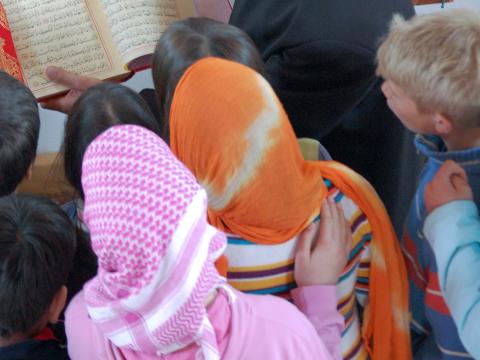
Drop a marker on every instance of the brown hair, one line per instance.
(189, 40)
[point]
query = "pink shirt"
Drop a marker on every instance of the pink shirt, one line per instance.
(252, 327)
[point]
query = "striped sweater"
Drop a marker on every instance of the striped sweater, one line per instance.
(434, 332)
(268, 269)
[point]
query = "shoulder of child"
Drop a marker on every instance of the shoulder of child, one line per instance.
(79, 329)
(284, 332)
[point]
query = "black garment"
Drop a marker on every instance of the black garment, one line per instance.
(85, 261)
(34, 350)
(150, 98)
(320, 59)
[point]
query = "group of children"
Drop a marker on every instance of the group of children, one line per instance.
(191, 214)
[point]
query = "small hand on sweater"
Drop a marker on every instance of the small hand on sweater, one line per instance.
(449, 183)
(321, 258)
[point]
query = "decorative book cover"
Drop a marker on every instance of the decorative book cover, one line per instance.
(8, 56)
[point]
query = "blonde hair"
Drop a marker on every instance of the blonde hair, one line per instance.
(435, 60)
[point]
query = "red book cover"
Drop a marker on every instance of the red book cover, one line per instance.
(8, 56)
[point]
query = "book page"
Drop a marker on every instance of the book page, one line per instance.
(136, 26)
(57, 32)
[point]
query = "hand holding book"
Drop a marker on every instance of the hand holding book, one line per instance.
(105, 39)
(76, 84)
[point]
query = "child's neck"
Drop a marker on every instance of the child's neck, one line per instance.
(462, 139)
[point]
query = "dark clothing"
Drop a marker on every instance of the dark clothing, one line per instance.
(375, 143)
(320, 58)
(150, 98)
(85, 261)
(35, 350)
(319, 54)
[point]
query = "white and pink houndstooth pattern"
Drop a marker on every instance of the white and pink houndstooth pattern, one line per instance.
(147, 218)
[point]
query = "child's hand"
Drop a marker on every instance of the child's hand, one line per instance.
(321, 258)
(449, 183)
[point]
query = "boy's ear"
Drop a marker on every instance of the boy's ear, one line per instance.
(443, 125)
(57, 305)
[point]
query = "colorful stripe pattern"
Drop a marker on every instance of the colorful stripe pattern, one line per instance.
(244, 152)
(268, 269)
(432, 325)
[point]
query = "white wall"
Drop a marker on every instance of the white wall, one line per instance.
(52, 123)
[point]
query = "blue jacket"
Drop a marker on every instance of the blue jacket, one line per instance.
(453, 231)
(435, 334)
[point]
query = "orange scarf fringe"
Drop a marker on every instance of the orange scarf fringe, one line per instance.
(385, 327)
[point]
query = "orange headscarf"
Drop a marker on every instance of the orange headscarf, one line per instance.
(229, 128)
(239, 144)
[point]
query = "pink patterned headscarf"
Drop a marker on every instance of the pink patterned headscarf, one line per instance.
(156, 252)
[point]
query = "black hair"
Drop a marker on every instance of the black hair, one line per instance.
(189, 40)
(99, 108)
(37, 245)
(19, 129)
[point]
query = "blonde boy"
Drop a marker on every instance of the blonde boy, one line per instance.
(431, 67)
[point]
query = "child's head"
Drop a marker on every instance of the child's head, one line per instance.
(243, 150)
(19, 129)
(186, 41)
(147, 219)
(37, 244)
(98, 109)
(431, 67)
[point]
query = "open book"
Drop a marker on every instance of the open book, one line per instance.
(106, 39)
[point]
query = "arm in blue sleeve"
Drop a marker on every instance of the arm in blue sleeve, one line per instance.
(453, 230)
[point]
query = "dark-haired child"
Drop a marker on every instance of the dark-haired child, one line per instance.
(19, 130)
(37, 247)
(189, 40)
(99, 108)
